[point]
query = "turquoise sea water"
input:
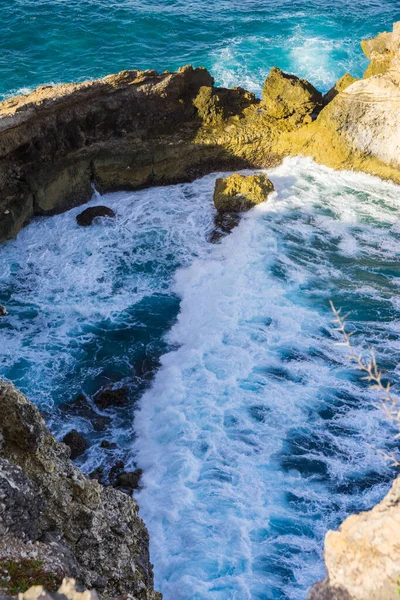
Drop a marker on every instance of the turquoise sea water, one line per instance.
(254, 433)
(44, 41)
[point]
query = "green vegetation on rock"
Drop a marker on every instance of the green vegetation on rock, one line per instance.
(16, 576)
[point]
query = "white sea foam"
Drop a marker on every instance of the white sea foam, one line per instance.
(255, 436)
(243, 472)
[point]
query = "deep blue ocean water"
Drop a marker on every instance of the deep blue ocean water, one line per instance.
(254, 433)
(45, 41)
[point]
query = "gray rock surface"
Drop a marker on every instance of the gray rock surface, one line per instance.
(95, 530)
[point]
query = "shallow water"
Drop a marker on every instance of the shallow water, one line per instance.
(255, 434)
(54, 41)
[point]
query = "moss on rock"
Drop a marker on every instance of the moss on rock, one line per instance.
(16, 576)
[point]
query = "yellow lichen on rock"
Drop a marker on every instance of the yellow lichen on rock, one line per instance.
(238, 193)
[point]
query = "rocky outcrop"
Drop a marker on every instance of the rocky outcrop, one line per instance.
(142, 128)
(48, 506)
(285, 95)
(86, 218)
(238, 193)
(342, 84)
(382, 50)
(363, 558)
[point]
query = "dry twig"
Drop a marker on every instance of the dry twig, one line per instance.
(389, 402)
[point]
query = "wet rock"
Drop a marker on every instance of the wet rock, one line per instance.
(98, 475)
(128, 481)
(100, 423)
(285, 95)
(108, 445)
(115, 471)
(76, 442)
(86, 218)
(3, 311)
(111, 397)
(342, 83)
(238, 193)
(224, 224)
(80, 407)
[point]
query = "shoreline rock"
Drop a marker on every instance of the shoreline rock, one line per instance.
(239, 193)
(94, 531)
(141, 128)
(362, 558)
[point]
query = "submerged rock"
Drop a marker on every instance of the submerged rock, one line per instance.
(76, 443)
(86, 218)
(80, 407)
(95, 530)
(238, 193)
(342, 83)
(107, 445)
(3, 311)
(362, 558)
(285, 95)
(224, 223)
(111, 397)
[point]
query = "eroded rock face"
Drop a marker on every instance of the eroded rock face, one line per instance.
(382, 51)
(238, 193)
(285, 95)
(342, 84)
(362, 558)
(141, 128)
(96, 530)
(367, 113)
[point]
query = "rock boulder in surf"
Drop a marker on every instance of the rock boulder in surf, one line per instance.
(238, 193)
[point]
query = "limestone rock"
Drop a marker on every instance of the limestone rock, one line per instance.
(76, 442)
(86, 218)
(285, 95)
(216, 104)
(69, 590)
(362, 558)
(96, 527)
(342, 83)
(382, 50)
(238, 193)
(366, 115)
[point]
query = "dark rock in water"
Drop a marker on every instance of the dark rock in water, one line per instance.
(85, 218)
(115, 471)
(129, 480)
(76, 442)
(111, 397)
(98, 475)
(80, 407)
(100, 423)
(108, 445)
(224, 223)
(3, 311)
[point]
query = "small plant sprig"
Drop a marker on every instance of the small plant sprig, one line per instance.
(389, 402)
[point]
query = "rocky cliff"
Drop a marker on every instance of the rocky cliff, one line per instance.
(138, 129)
(57, 522)
(363, 558)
